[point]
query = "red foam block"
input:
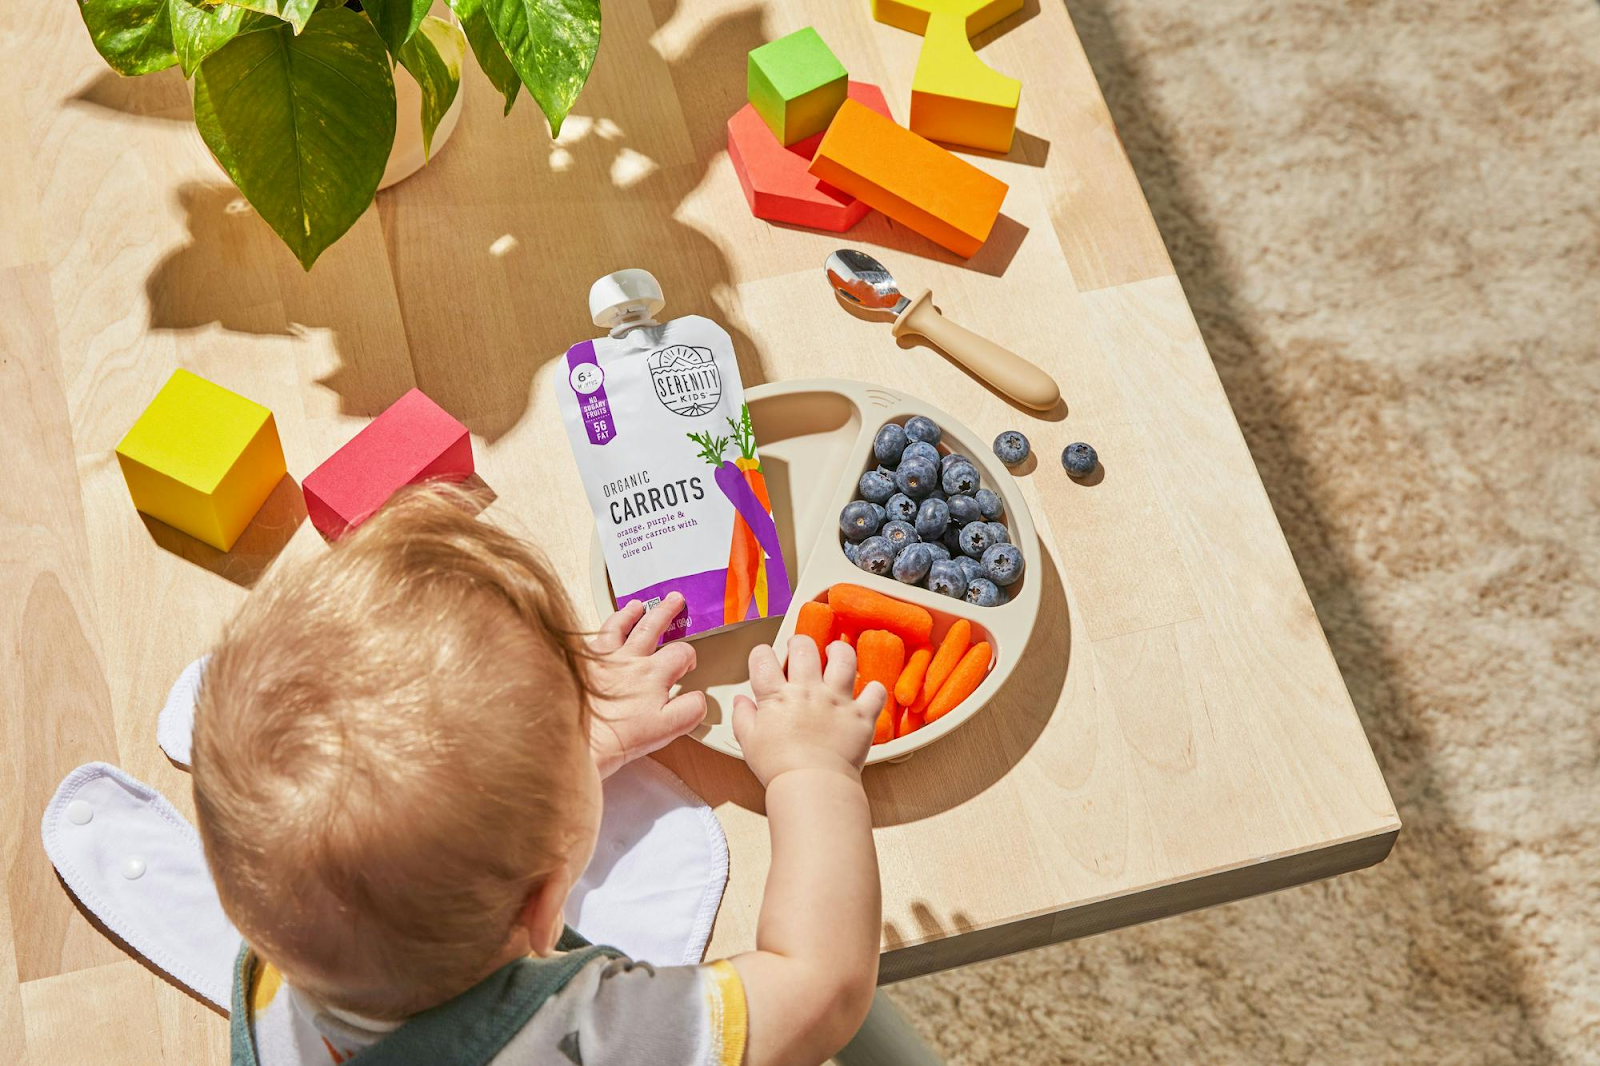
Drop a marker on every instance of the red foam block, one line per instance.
(414, 440)
(775, 180)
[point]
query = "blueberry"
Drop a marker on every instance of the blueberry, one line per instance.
(975, 539)
(921, 428)
(1079, 459)
(1003, 564)
(937, 494)
(889, 443)
(963, 509)
(875, 556)
(874, 487)
(918, 449)
(916, 478)
(947, 461)
(899, 534)
(999, 534)
(1011, 447)
(900, 507)
(858, 520)
(940, 551)
(886, 471)
(970, 568)
(932, 518)
(851, 550)
(960, 478)
(989, 504)
(952, 539)
(984, 593)
(912, 564)
(946, 579)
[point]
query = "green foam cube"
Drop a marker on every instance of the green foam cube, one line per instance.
(796, 85)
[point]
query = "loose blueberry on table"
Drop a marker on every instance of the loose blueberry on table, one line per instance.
(1079, 459)
(923, 517)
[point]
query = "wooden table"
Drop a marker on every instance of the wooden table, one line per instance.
(1177, 734)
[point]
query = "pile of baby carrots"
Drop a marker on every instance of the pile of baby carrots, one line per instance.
(925, 682)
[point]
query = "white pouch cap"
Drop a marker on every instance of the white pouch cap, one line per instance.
(625, 297)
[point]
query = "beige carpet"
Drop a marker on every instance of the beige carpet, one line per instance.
(1387, 216)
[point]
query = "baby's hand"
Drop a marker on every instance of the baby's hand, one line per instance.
(632, 676)
(807, 720)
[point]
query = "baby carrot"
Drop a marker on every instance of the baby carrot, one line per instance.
(966, 677)
(816, 622)
(864, 609)
(910, 722)
(910, 683)
(949, 654)
(880, 656)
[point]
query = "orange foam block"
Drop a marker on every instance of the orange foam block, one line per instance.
(909, 178)
(413, 440)
(775, 180)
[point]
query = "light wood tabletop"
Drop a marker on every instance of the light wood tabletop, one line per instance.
(1176, 734)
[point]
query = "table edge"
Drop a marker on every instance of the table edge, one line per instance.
(1139, 906)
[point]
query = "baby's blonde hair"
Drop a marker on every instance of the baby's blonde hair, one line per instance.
(385, 755)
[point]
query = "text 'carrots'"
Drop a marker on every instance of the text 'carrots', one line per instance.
(861, 608)
(910, 682)
(963, 680)
(949, 654)
(880, 656)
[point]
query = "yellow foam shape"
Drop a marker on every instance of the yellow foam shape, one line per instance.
(956, 97)
(202, 459)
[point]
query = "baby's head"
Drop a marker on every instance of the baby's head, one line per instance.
(391, 764)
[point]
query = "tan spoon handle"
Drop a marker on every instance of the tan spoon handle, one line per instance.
(1005, 370)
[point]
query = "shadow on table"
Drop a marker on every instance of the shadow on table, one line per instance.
(259, 544)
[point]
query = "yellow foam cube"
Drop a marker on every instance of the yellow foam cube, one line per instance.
(956, 98)
(202, 459)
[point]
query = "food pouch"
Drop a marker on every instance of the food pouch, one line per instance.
(656, 416)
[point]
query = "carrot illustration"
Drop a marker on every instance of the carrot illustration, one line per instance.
(945, 660)
(740, 585)
(864, 609)
(816, 622)
(744, 438)
(966, 677)
(880, 656)
(910, 682)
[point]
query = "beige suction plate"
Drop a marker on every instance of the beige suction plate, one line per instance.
(816, 439)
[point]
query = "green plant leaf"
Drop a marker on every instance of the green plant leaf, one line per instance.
(295, 12)
(199, 29)
(397, 20)
(302, 123)
(433, 56)
(491, 57)
(551, 44)
(132, 36)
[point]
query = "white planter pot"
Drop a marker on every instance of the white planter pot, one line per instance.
(405, 156)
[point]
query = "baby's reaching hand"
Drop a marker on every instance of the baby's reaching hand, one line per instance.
(809, 719)
(632, 676)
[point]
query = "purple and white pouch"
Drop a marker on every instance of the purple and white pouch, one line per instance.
(666, 449)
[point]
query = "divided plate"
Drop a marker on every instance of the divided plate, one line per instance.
(815, 438)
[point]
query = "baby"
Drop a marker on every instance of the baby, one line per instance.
(398, 753)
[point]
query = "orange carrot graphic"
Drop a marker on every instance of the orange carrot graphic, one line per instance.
(747, 563)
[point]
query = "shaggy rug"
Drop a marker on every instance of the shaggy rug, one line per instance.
(1387, 216)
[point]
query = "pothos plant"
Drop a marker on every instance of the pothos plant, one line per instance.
(296, 98)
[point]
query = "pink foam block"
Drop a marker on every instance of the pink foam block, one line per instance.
(774, 178)
(414, 440)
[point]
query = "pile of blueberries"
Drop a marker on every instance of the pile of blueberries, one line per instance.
(926, 519)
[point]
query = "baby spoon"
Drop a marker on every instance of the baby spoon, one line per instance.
(862, 280)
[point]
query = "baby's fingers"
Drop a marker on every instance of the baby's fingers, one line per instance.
(744, 718)
(614, 630)
(674, 660)
(647, 634)
(840, 673)
(765, 675)
(870, 703)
